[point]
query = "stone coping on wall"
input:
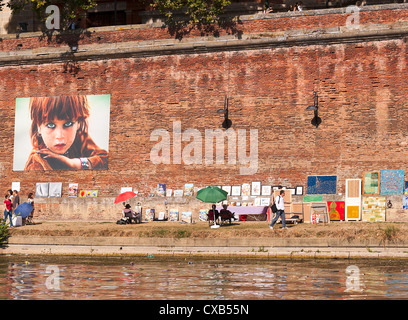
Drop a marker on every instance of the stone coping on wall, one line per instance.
(251, 41)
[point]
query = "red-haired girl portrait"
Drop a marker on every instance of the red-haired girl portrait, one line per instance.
(60, 137)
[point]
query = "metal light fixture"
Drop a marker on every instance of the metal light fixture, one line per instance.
(227, 123)
(316, 119)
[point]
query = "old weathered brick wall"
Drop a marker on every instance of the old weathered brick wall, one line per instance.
(361, 80)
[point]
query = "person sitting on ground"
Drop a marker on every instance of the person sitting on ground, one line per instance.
(130, 214)
(226, 214)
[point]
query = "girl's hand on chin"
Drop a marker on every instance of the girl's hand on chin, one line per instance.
(71, 163)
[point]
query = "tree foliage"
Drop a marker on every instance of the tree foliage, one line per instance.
(197, 11)
(69, 9)
(178, 13)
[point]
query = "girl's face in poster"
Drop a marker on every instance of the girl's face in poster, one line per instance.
(58, 135)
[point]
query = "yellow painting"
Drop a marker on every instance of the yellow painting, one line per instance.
(353, 212)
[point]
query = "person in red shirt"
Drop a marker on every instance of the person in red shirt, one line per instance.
(7, 211)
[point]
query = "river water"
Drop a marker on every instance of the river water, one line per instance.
(152, 278)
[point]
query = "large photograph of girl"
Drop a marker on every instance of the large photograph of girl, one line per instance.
(62, 133)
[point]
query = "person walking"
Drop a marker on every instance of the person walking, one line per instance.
(280, 205)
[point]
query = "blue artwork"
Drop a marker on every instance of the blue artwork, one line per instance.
(404, 202)
(321, 184)
(392, 181)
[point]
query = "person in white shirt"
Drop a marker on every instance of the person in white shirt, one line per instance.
(280, 205)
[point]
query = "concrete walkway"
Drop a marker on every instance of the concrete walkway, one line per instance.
(246, 247)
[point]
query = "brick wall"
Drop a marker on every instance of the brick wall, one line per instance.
(362, 92)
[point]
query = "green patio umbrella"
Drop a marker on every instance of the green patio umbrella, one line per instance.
(212, 195)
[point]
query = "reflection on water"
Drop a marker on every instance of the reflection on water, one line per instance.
(43, 277)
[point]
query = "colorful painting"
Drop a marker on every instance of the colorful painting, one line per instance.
(161, 190)
(405, 187)
(256, 188)
(188, 189)
(392, 181)
(336, 210)
(373, 209)
(371, 182)
(321, 184)
(246, 189)
(186, 217)
(73, 190)
(149, 214)
(173, 215)
(353, 199)
(404, 202)
(202, 215)
(353, 212)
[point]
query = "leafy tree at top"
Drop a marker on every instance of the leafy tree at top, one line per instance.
(69, 9)
(197, 11)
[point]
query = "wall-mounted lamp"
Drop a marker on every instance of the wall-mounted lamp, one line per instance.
(316, 119)
(227, 123)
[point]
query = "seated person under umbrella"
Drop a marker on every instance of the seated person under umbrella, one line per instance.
(225, 214)
(131, 215)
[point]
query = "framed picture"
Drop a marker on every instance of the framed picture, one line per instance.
(256, 188)
(73, 190)
(41, 189)
(292, 191)
(186, 217)
(90, 131)
(371, 182)
(299, 190)
(265, 202)
(353, 200)
(266, 190)
(227, 188)
(235, 190)
(321, 184)
(392, 181)
(173, 215)
(246, 189)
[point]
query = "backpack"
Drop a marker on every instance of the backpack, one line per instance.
(274, 208)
